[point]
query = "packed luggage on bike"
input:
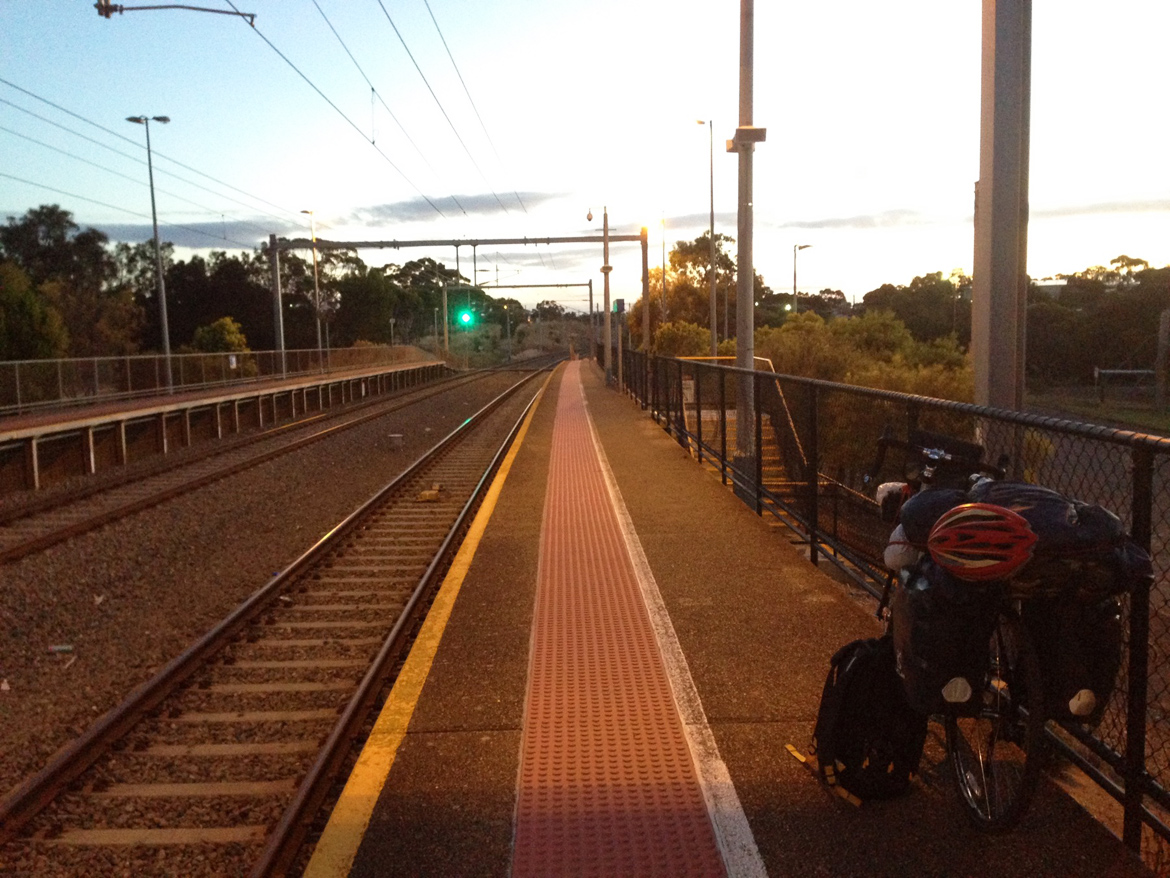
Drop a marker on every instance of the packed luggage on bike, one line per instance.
(1003, 611)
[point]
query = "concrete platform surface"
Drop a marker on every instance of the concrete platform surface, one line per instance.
(756, 624)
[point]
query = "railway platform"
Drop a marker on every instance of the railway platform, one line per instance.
(610, 677)
(52, 445)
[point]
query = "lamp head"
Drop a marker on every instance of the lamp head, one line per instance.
(140, 120)
(309, 212)
(163, 119)
(589, 216)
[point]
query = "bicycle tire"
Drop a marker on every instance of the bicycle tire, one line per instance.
(997, 752)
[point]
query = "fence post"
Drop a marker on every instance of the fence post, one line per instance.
(814, 506)
(759, 414)
(1139, 657)
(699, 411)
(653, 370)
(723, 425)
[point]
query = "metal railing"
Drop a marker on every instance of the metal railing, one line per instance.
(803, 457)
(28, 385)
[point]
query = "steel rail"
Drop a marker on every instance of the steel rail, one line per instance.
(384, 406)
(70, 761)
(285, 840)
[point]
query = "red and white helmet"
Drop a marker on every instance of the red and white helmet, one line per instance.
(980, 542)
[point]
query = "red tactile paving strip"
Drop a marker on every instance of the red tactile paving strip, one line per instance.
(607, 786)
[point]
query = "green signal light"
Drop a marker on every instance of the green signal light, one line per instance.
(465, 318)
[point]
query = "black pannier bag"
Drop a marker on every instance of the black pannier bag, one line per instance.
(942, 629)
(1078, 639)
(867, 738)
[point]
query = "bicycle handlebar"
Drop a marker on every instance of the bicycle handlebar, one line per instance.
(936, 454)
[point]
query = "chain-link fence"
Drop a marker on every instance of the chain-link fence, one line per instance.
(805, 451)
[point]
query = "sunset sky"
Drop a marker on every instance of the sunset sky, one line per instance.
(872, 113)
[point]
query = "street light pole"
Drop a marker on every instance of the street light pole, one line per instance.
(795, 249)
(508, 330)
(606, 268)
(160, 283)
(316, 286)
(711, 256)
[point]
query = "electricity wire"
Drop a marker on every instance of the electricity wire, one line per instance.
(133, 158)
(125, 210)
(134, 180)
(134, 143)
(470, 100)
(439, 103)
(339, 111)
(374, 92)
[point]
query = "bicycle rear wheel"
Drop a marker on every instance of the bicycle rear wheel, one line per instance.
(996, 753)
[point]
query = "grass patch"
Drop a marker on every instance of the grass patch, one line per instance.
(1082, 404)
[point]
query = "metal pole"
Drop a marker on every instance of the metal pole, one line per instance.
(592, 325)
(621, 372)
(746, 136)
(795, 301)
(606, 268)
(646, 291)
(316, 285)
(711, 255)
(278, 314)
(446, 338)
(664, 269)
(999, 297)
(158, 266)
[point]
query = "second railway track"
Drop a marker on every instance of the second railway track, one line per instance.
(48, 521)
(215, 765)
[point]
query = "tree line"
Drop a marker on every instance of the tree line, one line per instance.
(67, 292)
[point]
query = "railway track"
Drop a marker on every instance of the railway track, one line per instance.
(217, 765)
(47, 521)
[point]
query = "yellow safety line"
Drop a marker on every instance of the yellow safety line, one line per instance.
(347, 824)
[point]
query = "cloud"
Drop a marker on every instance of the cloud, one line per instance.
(229, 235)
(885, 220)
(1157, 206)
(421, 209)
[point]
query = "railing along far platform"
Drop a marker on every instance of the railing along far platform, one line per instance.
(28, 385)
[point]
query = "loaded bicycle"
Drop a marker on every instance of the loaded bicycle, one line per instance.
(1004, 611)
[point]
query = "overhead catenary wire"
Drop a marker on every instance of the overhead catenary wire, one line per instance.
(125, 210)
(375, 93)
(137, 145)
(342, 114)
(470, 99)
(133, 158)
(134, 180)
(439, 103)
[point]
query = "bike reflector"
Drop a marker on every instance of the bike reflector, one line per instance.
(979, 542)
